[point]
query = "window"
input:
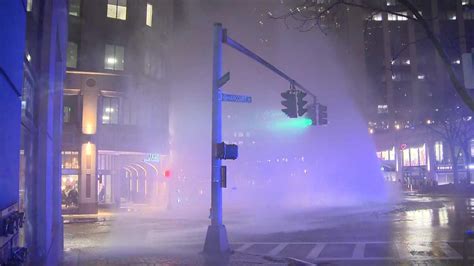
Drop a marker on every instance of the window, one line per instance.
(439, 151)
(71, 55)
(382, 109)
(387, 155)
(69, 108)
(414, 156)
(105, 162)
(393, 17)
(110, 110)
(29, 5)
(27, 97)
(149, 14)
(74, 8)
(114, 57)
(70, 191)
(468, 15)
(117, 9)
(377, 17)
(451, 15)
(70, 160)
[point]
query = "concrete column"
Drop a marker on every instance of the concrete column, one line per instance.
(88, 179)
(88, 201)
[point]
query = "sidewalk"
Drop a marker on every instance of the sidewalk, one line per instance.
(79, 257)
(104, 214)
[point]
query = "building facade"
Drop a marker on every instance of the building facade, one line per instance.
(33, 63)
(115, 134)
(413, 102)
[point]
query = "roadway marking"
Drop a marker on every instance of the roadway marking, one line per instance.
(277, 249)
(358, 252)
(244, 247)
(420, 251)
(314, 253)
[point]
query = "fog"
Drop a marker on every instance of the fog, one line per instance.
(280, 168)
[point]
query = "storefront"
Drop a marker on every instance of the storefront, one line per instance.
(70, 180)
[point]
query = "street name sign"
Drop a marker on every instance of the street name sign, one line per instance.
(236, 98)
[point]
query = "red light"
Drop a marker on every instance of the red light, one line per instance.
(167, 173)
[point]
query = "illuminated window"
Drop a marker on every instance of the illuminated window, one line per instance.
(401, 17)
(110, 110)
(439, 151)
(71, 55)
(149, 14)
(70, 191)
(406, 157)
(114, 57)
(382, 108)
(451, 15)
(414, 156)
(117, 9)
(70, 160)
(75, 8)
(391, 2)
(104, 162)
(29, 5)
(377, 17)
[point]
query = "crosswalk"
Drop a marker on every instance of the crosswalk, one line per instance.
(345, 251)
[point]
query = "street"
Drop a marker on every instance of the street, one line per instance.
(419, 230)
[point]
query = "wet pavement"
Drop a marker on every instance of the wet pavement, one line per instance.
(417, 231)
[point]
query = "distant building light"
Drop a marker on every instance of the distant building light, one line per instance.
(421, 76)
(109, 110)
(471, 167)
(371, 131)
(397, 126)
(457, 62)
(28, 57)
(429, 122)
(465, 2)
(111, 60)
(407, 62)
(105, 117)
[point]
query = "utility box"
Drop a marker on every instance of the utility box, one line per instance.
(227, 151)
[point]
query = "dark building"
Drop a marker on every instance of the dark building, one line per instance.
(115, 136)
(32, 66)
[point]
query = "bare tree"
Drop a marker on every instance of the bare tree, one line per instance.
(312, 14)
(456, 128)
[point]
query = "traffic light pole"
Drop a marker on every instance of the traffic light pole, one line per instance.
(216, 238)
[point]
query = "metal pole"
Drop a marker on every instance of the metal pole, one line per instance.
(216, 238)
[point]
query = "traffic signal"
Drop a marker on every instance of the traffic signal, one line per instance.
(290, 103)
(322, 114)
(301, 103)
(312, 114)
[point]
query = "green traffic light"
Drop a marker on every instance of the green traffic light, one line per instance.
(294, 123)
